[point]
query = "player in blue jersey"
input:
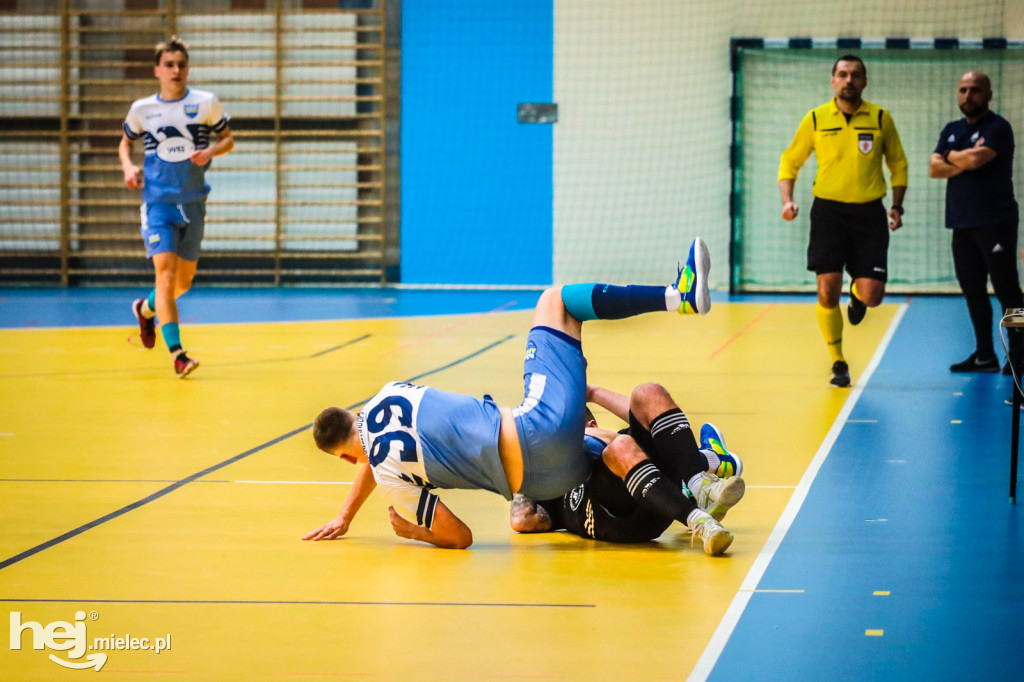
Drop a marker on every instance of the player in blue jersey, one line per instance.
(175, 126)
(644, 477)
(411, 440)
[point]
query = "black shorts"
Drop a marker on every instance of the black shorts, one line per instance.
(615, 519)
(850, 236)
(578, 513)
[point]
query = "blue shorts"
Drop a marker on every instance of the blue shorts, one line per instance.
(550, 420)
(174, 227)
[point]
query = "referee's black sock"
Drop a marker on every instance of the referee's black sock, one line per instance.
(651, 489)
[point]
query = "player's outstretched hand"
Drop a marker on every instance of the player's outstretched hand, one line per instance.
(334, 528)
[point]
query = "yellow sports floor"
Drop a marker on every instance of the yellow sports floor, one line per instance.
(174, 509)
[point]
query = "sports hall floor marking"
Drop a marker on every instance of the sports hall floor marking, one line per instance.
(238, 363)
(741, 332)
(706, 662)
(209, 470)
(302, 602)
(451, 327)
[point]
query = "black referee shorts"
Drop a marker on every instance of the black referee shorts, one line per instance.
(850, 236)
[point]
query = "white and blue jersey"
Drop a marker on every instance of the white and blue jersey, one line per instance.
(418, 438)
(172, 131)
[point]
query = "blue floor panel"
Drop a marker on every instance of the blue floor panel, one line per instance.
(908, 502)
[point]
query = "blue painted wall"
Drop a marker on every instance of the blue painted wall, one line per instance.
(476, 184)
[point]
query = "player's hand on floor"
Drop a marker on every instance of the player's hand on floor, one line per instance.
(334, 528)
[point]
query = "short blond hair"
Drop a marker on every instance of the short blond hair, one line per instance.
(172, 44)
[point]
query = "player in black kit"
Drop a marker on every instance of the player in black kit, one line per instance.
(644, 477)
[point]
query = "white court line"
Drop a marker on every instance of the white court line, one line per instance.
(300, 482)
(709, 658)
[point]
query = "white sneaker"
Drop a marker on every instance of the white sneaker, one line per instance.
(717, 495)
(716, 539)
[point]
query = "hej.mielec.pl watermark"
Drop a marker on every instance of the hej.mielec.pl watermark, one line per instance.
(72, 638)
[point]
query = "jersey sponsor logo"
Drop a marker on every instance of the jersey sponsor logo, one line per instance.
(531, 351)
(951, 139)
(575, 497)
(175, 149)
(974, 137)
(865, 142)
(191, 110)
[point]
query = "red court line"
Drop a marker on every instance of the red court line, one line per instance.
(742, 331)
(449, 328)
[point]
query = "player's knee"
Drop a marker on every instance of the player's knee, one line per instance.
(647, 401)
(621, 455)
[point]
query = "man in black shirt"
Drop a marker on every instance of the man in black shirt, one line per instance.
(975, 156)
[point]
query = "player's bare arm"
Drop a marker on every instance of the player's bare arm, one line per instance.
(616, 403)
(132, 173)
(362, 486)
(225, 143)
(447, 532)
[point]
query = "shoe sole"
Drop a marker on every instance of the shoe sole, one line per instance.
(853, 317)
(189, 368)
(718, 543)
(141, 320)
(976, 370)
(701, 269)
(731, 493)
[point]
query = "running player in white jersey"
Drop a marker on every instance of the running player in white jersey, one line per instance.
(175, 126)
(411, 440)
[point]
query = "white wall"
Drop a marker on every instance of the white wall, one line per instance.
(642, 142)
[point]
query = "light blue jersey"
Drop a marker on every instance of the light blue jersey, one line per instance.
(418, 438)
(171, 131)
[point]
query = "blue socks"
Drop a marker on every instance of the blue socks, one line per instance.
(610, 302)
(172, 336)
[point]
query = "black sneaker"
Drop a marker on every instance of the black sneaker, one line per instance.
(840, 374)
(855, 309)
(973, 364)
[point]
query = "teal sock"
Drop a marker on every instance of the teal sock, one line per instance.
(151, 300)
(610, 302)
(172, 336)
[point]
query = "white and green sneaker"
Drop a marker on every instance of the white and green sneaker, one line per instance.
(717, 495)
(716, 539)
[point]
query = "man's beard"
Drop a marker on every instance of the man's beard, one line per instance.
(972, 109)
(849, 95)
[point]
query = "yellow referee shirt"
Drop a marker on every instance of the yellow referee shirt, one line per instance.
(849, 152)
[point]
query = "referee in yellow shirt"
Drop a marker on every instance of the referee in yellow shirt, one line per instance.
(849, 229)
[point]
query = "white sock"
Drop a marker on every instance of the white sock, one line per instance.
(694, 484)
(713, 460)
(146, 311)
(672, 298)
